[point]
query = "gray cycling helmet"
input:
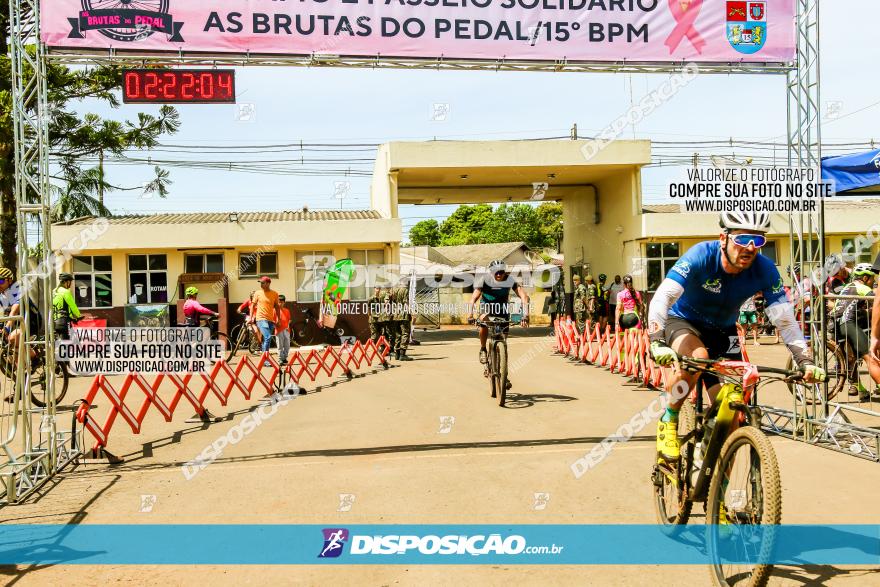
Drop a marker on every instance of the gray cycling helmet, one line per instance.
(497, 265)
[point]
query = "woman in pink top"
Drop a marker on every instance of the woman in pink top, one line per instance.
(629, 306)
(193, 310)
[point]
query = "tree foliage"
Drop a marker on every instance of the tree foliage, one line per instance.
(78, 142)
(478, 224)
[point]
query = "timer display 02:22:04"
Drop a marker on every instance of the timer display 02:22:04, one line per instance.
(185, 86)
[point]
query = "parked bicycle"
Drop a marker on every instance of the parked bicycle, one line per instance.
(496, 364)
(38, 379)
(727, 463)
(307, 331)
(243, 336)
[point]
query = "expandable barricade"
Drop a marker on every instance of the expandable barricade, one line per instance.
(245, 377)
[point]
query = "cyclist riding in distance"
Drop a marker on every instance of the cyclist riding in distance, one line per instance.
(493, 291)
(851, 320)
(695, 309)
(193, 310)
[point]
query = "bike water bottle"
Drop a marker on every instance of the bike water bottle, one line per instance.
(729, 394)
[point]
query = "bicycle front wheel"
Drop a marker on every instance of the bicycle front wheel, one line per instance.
(501, 372)
(304, 333)
(235, 342)
(745, 492)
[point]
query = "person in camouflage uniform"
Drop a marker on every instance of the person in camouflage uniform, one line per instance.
(593, 300)
(401, 320)
(373, 309)
(580, 303)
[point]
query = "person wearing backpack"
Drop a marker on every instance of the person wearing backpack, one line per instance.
(64, 309)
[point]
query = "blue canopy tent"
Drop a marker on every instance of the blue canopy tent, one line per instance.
(854, 172)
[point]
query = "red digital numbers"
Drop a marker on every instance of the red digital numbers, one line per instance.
(178, 86)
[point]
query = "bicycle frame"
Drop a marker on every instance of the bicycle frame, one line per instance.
(734, 405)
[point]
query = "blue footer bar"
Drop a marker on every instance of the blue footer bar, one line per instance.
(95, 544)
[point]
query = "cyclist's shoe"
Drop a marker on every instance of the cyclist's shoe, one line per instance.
(668, 448)
(484, 357)
(863, 392)
(853, 390)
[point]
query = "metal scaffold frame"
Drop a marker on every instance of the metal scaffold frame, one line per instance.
(32, 455)
(29, 464)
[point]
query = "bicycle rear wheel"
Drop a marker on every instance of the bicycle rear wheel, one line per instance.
(745, 491)
(490, 369)
(304, 333)
(39, 384)
(501, 372)
(672, 484)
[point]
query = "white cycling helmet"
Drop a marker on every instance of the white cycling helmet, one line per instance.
(864, 269)
(756, 221)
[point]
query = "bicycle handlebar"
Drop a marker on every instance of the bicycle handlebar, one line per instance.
(706, 365)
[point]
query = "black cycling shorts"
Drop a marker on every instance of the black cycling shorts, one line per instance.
(856, 336)
(721, 343)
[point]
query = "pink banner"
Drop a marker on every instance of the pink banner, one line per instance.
(537, 30)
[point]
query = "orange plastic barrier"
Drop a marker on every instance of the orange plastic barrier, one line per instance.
(311, 364)
(626, 353)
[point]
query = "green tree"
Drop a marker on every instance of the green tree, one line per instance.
(550, 216)
(512, 223)
(77, 143)
(465, 224)
(426, 232)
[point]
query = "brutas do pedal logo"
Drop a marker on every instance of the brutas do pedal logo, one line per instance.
(125, 20)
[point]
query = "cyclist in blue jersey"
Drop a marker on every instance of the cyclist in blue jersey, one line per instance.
(695, 309)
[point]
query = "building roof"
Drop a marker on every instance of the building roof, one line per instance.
(479, 255)
(218, 217)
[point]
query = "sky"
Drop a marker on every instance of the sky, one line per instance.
(324, 105)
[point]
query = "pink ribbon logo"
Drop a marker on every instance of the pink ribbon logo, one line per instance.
(685, 13)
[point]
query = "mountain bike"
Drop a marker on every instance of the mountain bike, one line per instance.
(841, 364)
(243, 336)
(727, 463)
(307, 331)
(496, 365)
(38, 380)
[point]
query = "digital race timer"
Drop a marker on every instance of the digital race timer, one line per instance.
(185, 86)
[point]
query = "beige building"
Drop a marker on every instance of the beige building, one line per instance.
(142, 260)
(150, 259)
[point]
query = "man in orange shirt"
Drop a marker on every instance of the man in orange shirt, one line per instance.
(266, 309)
(282, 331)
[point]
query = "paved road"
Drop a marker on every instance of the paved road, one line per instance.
(379, 439)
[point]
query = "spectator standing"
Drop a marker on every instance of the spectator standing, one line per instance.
(602, 304)
(266, 311)
(401, 319)
(374, 310)
(580, 303)
(282, 330)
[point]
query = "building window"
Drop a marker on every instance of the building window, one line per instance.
(661, 257)
(769, 251)
(147, 279)
(311, 267)
(207, 263)
(93, 281)
(367, 264)
(857, 250)
(254, 264)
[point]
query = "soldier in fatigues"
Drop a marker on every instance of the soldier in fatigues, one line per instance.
(580, 303)
(373, 308)
(402, 320)
(383, 323)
